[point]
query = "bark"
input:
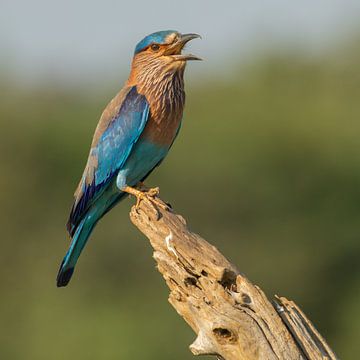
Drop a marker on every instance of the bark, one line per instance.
(232, 317)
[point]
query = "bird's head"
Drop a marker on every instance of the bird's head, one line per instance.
(161, 52)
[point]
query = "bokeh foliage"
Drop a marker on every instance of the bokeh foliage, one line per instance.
(267, 167)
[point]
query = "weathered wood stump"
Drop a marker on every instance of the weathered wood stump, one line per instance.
(233, 319)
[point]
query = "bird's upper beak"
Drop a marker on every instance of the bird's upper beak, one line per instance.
(175, 49)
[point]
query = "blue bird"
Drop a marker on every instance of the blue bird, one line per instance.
(133, 136)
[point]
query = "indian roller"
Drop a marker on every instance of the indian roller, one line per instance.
(134, 134)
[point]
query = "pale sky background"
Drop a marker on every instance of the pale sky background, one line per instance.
(72, 41)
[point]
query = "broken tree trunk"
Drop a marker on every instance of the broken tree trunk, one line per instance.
(233, 319)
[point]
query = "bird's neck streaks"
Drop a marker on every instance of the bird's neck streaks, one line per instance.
(162, 84)
(166, 95)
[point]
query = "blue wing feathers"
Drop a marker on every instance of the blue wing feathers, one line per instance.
(111, 152)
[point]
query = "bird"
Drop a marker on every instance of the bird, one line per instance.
(133, 136)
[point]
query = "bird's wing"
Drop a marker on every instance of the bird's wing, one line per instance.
(118, 130)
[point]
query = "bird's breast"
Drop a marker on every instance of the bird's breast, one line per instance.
(165, 118)
(162, 130)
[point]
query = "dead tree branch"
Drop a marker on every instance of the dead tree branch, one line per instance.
(233, 318)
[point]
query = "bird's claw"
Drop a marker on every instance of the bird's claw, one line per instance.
(153, 192)
(150, 196)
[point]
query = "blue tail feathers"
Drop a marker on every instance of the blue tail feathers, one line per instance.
(64, 275)
(81, 232)
(78, 242)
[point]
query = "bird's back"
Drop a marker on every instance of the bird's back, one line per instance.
(122, 112)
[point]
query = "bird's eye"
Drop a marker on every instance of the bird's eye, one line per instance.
(155, 47)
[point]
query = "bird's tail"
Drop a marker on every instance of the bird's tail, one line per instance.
(78, 242)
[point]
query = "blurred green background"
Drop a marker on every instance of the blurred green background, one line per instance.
(267, 168)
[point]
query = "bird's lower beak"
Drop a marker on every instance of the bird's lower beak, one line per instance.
(183, 40)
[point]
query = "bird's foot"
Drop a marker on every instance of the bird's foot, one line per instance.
(150, 196)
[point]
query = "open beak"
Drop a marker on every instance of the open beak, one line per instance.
(179, 45)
